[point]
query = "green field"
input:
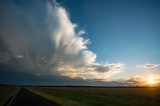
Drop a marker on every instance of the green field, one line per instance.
(82, 96)
(88, 96)
(6, 92)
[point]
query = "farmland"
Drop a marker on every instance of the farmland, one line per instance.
(80, 96)
(7, 92)
(86, 96)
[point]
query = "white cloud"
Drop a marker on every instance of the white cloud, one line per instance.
(46, 41)
(93, 71)
(19, 56)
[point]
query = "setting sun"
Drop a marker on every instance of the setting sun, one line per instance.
(151, 81)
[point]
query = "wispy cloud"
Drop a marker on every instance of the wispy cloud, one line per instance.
(151, 65)
(148, 65)
(93, 71)
(43, 38)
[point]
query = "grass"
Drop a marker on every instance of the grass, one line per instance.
(74, 96)
(6, 92)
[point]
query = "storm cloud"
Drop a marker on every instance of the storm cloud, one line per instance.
(39, 37)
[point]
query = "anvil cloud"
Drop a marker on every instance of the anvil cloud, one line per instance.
(40, 38)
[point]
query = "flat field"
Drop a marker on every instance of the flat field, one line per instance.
(89, 96)
(7, 92)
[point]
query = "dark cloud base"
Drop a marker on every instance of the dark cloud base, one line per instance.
(11, 76)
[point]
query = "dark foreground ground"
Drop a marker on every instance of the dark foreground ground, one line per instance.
(79, 96)
(97, 96)
(28, 98)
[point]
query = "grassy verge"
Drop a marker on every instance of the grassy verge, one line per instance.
(59, 100)
(6, 92)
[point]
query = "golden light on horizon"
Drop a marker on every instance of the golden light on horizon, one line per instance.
(151, 81)
(148, 79)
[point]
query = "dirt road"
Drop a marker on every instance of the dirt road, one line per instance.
(28, 98)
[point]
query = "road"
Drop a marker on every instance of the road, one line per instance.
(28, 98)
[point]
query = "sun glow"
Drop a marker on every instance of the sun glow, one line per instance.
(151, 81)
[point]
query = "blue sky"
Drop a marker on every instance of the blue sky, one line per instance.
(120, 31)
(41, 39)
(125, 31)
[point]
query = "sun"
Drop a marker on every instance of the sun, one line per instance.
(151, 81)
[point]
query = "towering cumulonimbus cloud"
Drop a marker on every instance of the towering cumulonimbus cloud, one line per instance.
(39, 37)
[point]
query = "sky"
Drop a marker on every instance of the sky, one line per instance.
(80, 42)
